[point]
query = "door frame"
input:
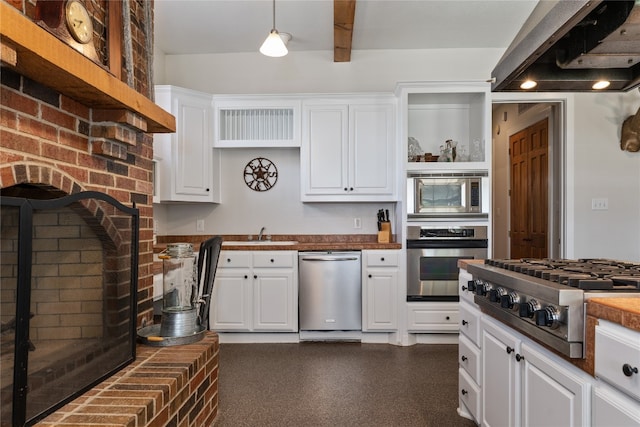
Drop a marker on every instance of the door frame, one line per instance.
(559, 109)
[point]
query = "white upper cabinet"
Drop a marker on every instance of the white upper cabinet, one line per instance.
(445, 125)
(348, 149)
(188, 167)
(256, 121)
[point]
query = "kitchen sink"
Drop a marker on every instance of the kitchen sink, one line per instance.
(259, 243)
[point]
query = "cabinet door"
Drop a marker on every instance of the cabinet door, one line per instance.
(324, 153)
(192, 149)
(371, 153)
(186, 159)
(500, 376)
(551, 393)
(231, 303)
(275, 300)
(379, 312)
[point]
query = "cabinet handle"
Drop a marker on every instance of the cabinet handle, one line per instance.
(629, 370)
(464, 288)
(519, 357)
(464, 322)
(228, 259)
(464, 392)
(510, 350)
(464, 358)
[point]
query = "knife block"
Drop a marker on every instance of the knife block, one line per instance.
(384, 235)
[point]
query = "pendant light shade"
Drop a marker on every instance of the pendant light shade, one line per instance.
(275, 44)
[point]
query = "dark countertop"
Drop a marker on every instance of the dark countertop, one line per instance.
(305, 242)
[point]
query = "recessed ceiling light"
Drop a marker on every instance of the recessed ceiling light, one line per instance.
(601, 84)
(528, 84)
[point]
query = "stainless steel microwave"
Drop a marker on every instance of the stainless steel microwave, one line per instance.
(447, 195)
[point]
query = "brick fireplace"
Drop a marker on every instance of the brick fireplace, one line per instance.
(68, 125)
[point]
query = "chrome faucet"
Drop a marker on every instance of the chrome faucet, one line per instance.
(261, 232)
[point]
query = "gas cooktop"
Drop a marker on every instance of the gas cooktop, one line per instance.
(595, 274)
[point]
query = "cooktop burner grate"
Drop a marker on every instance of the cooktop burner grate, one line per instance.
(587, 274)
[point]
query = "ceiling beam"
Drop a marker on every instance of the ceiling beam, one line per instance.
(344, 12)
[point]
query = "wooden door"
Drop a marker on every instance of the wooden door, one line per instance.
(529, 150)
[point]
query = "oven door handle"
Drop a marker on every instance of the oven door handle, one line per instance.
(447, 244)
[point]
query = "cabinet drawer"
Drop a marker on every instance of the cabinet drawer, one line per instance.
(274, 259)
(470, 322)
(469, 393)
(381, 258)
(617, 354)
(433, 319)
(469, 358)
(234, 259)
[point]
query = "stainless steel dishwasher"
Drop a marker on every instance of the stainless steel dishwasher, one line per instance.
(330, 291)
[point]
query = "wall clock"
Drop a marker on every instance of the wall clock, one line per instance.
(260, 174)
(71, 22)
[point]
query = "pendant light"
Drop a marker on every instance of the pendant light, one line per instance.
(275, 44)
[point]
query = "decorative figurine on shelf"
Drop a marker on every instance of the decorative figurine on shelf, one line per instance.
(452, 146)
(415, 151)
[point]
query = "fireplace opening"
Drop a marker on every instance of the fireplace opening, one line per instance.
(68, 282)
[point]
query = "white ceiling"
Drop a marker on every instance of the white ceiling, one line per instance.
(227, 26)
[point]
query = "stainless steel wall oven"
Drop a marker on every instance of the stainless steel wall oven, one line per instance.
(432, 259)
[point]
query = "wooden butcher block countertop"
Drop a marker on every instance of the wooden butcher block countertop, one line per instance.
(622, 310)
(303, 242)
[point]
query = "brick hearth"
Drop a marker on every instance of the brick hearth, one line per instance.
(176, 386)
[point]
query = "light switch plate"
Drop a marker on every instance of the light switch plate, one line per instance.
(200, 225)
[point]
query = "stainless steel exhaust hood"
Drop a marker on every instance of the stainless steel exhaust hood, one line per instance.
(567, 46)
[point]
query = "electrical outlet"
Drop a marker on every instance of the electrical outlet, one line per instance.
(156, 225)
(200, 225)
(601, 204)
(357, 223)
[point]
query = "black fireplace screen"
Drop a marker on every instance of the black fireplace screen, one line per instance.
(68, 282)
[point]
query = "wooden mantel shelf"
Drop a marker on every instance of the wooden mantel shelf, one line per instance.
(45, 59)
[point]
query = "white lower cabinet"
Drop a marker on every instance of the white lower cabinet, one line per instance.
(469, 360)
(255, 291)
(523, 384)
(379, 290)
(435, 317)
(616, 396)
(612, 408)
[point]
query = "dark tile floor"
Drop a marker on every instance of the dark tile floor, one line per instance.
(338, 384)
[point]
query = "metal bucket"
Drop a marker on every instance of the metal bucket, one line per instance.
(179, 323)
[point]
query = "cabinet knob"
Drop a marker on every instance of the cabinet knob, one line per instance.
(464, 358)
(369, 276)
(350, 188)
(255, 276)
(207, 189)
(246, 277)
(464, 392)
(448, 318)
(228, 259)
(629, 370)
(382, 259)
(519, 357)
(271, 260)
(464, 322)
(346, 189)
(510, 350)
